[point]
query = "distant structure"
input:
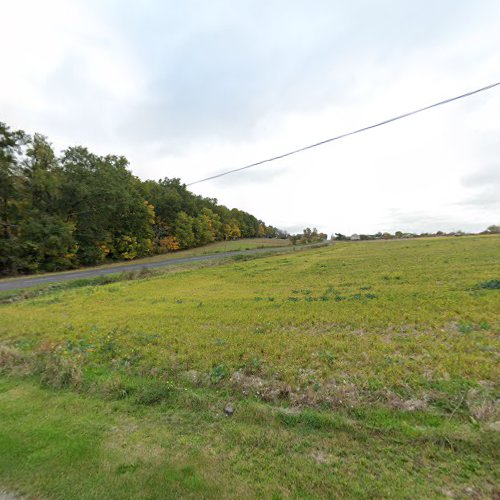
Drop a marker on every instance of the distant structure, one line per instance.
(355, 237)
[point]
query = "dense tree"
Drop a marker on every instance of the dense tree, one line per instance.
(184, 230)
(11, 144)
(232, 230)
(46, 244)
(105, 202)
(41, 175)
(307, 236)
(82, 208)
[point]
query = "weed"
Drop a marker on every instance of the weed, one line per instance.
(115, 388)
(218, 373)
(464, 327)
(327, 357)
(308, 419)
(57, 371)
(490, 284)
(252, 367)
(124, 468)
(154, 392)
(13, 361)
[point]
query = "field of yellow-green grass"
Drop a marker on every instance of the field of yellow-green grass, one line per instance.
(361, 369)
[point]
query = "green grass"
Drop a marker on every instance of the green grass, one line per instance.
(356, 370)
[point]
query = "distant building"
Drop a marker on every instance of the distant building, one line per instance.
(355, 237)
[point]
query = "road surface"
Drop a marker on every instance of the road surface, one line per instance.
(7, 285)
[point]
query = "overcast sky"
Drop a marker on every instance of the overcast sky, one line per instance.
(189, 89)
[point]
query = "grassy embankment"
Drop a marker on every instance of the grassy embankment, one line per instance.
(362, 369)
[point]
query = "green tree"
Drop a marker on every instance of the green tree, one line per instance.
(184, 230)
(232, 230)
(106, 203)
(41, 175)
(11, 143)
(82, 208)
(46, 243)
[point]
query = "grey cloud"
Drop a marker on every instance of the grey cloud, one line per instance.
(256, 175)
(298, 228)
(220, 78)
(485, 187)
(488, 176)
(418, 221)
(79, 105)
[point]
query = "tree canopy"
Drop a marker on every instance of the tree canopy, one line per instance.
(79, 208)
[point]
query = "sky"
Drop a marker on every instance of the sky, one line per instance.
(190, 89)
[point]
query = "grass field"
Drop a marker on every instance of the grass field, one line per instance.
(365, 369)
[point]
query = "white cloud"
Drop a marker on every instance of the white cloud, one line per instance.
(190, 90)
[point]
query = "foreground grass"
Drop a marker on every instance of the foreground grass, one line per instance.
(362, 369)
(74, 446)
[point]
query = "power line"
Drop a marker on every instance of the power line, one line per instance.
(364, 129)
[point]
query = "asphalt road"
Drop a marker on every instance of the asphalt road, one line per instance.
(6, 285)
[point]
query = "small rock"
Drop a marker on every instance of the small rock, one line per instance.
(229, 410)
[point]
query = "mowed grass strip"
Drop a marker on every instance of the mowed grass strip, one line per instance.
(59, 444)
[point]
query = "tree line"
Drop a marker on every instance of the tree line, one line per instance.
(307, 236)
(493, 229)
(79, 208)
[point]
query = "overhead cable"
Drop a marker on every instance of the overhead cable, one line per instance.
(347, 134)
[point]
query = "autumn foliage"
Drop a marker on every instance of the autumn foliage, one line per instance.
(79, 208)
